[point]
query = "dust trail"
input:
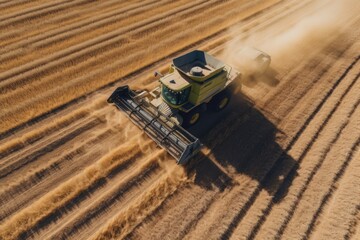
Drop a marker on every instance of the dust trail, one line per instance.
(301, 39)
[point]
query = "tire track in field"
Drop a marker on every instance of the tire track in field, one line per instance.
(248, 228)
(338, 218)
(281, 158)
(332, 188)
(336, 174)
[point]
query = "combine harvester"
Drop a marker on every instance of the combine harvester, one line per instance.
(195, 82)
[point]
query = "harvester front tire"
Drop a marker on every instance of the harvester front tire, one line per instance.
(191, 118)
(220, 101)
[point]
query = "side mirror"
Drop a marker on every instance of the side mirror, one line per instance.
(156, 73)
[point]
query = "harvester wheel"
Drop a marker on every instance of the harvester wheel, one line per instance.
(191, 118)
(220, 101)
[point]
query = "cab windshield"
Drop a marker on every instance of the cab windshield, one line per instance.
(175, 97)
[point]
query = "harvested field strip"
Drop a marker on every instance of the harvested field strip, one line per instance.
(340, 218)
(283, 171)
(49, 143)
(46, 170)
(236, 193)
(314, 199)
(144, 205)
(31, 137)
(14, 164)
(29, 217)
(34, 183)
(109, 204)
(93, 81)
(248, 226)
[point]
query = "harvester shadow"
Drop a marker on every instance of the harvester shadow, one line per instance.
(243, 144)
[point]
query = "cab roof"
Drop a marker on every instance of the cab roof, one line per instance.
(175, 81)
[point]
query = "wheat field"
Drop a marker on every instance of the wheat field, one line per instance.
(282, 162)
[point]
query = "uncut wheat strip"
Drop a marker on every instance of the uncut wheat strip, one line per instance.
(84, 65)
(159, 50)
(33, 9)
(337, 221)
(84, 223)
(41, 11)
(325, 180)
(14, 144)
(233, 198)
(90, 60)
(31, 186)
(15, 38)
(46, 162)
(47, 38)
(42, 146)
(143, 205)
(14, 6)
(36, 175)
(248, 226)
(71, 53)
(119, 182)
(29, 217)
(98, 41)
(34, 87)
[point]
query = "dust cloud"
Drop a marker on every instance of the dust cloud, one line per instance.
(289, 44)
